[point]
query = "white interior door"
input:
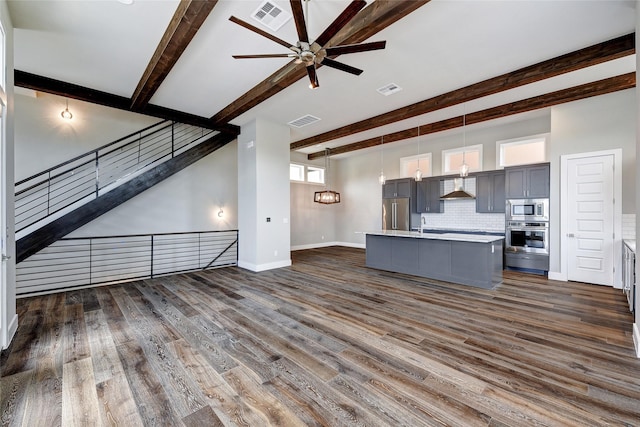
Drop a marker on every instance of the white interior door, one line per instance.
(590, 219)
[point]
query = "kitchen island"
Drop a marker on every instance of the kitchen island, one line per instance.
(468, 259)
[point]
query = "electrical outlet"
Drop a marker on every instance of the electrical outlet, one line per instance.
(322, 237)
(275, 253)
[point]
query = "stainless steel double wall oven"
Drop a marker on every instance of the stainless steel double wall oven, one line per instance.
(527, 232)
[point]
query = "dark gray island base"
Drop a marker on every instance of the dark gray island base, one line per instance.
(458, 258)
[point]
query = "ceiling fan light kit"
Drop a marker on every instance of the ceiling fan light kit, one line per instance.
(314, 54)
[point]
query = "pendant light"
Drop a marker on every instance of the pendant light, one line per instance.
(464, 167)
(418, 176)
(326, 197)
(458, 183)
(66, 114)
(382, 179)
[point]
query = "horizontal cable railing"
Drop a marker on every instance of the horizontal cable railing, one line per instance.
(83, 177)
(86, 261)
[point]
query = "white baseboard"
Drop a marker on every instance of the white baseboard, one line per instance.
(263, 267)
(636, 339)
(312, 246)
(327, 244)
(351, 245)
(11, 331)
(554, 275)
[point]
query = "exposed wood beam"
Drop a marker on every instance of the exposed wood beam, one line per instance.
(371, 20)
(81, 93)
(186, 21)
(601, 87)
(592, 55)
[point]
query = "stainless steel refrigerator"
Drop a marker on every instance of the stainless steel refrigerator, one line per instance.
(396, 214)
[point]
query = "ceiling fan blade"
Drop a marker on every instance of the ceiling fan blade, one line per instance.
(355, 48)
(347, 15)
(341, 66)
(313, 76)
(259, 31)
(267, 55)
(298, 17)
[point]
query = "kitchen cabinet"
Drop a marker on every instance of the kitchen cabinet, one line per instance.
(629, 272)
(490, 192)
(458, 258)
(527, 182)
(428, 195)
(395, 188)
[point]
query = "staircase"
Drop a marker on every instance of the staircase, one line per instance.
(55, 202)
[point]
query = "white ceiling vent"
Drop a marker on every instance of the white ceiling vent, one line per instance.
(271, 15)
(303, 121)
(389, 89)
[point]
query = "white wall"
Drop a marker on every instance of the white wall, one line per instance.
(358, 175)
(312, 222)
(8, 316)
(594, 124)
(187, 201)
(636, 325)
(40, 129)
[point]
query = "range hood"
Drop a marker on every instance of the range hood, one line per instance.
(458, 191)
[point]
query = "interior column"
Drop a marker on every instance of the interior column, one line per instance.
(263, 196)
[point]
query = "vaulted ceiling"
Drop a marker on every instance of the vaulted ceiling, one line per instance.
(488, 59)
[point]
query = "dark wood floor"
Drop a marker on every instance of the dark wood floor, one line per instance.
(324, 342)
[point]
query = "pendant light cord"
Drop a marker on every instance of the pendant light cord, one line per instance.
(326, 168)
(381, 178)
(464, 131)
(418, 174)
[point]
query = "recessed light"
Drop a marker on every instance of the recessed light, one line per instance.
(127, 2)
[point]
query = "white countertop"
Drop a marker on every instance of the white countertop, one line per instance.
(460, 237)
(631, 243)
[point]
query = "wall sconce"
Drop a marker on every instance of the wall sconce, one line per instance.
(66, 114)
(220, 213)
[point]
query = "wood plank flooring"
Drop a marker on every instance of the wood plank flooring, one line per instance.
(325, 342)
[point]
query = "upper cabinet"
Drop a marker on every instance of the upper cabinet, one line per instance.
(394, 188)
(527, 182)
(490, 192)
(428, 192)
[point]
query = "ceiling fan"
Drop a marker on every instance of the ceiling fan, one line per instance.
(312, 54)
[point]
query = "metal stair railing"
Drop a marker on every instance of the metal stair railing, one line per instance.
(89, 175)
(72, 263)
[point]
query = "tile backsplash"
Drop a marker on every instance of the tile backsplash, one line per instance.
(461, 214)
(628, 226)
